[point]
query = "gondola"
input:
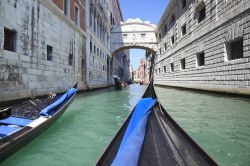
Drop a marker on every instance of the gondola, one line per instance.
(25, 121)
(118, 83)
(150, 137)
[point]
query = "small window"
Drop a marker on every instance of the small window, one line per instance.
(165, 46)
(172, 39)
(77, 15)
(97, 50)
(70, 59)
(10, 39)
(202, 13)
(234, 49)
(94, 49)
(200, 59)
(183, 63)
(172, 18)
(183, 3)
(165, 69)
(49, 53)
(183, 30)
(156, 71)
(90, 47)
(171, 67)
(125, 35)
(159, 70)
(66, 7)
(143, 35)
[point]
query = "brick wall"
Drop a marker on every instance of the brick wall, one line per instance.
(81, 4)
(225, 22)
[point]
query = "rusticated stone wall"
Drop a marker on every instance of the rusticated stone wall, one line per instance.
(225, 22)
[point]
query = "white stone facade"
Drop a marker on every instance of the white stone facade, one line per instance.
(101, 65)
(39, 26)
(208, 35)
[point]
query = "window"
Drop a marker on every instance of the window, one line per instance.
(172, 18)
(234, 49)
(156, 71)
(183, 3)
(159, 70)
(10, 37)
(183, 30)
(200, 59)
(143, 35)
(172, 39)
(70, 59)
(201, 12)
(165, 46)
(94, 49)
(90, 47)
(125, 35)
(49, 53)
(66, 7)
(97, 50)
(183, 63)
(165, 69)
(172, 67)
(77, 15)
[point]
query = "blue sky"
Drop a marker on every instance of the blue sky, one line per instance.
(150, 10)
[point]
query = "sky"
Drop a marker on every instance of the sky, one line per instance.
(146, 10)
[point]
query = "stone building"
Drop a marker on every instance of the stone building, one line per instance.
(204, 44)
(42, 47)
(101, 64)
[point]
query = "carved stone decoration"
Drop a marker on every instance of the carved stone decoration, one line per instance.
(233, 31)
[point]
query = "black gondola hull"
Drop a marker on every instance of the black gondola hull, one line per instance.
(13, 143)
(165, 142)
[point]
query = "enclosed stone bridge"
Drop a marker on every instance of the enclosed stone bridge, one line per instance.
(134, 33)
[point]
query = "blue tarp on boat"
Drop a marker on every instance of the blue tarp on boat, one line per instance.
(6, 130)
(16, 121)
(130, 148)
(46, 111)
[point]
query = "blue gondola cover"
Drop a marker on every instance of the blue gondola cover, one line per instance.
(46, 111)
(130, 148)
(16, 121)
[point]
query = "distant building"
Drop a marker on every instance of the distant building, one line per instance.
(101, 64)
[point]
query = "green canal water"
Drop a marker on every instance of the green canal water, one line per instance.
(220, 124)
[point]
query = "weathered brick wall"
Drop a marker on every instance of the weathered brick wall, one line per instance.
(224, 22)
(27, 72)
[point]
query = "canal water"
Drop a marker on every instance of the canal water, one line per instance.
(219, 123)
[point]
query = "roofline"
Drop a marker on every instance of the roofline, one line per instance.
(170, 3)
(119, 7)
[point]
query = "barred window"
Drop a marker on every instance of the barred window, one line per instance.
(10, 37)
(200, 59)
(70, 59)
(201, 12)
(172, 67)
(172, 39)
(183, 63)
(235, 49)
(49, 53)
(183, 30)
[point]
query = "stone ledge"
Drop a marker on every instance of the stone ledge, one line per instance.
(227, 89)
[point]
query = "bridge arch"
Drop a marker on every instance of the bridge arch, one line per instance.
(134, 33)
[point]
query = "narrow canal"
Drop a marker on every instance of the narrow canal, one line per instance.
(220, 124)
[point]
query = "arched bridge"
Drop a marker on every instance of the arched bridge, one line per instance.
(133, 34)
